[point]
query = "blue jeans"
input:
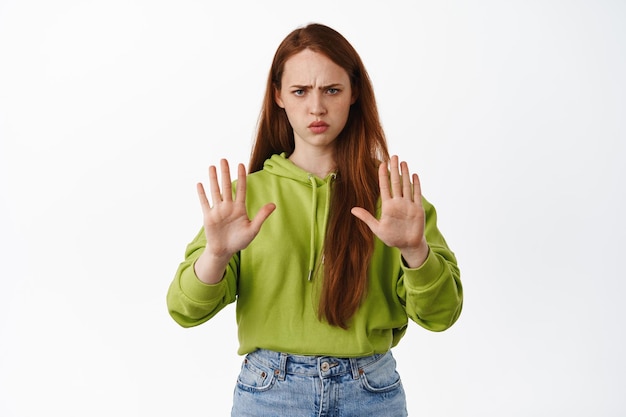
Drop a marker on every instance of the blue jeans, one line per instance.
(276, 384)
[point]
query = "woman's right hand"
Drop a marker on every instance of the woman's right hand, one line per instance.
(227, 227)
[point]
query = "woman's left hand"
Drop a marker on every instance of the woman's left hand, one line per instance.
(402, 217)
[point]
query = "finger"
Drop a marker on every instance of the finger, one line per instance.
(396, 181)
(204, 202)
(366, 217)
(216, 195)
(227, 193)
(240, 195)
(262, 215)
(417, 189)
(383, 182)
(406, 180)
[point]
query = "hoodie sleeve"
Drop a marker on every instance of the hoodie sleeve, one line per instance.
(432, 294)
(190, 301)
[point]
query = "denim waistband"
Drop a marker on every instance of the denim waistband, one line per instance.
(322, 366)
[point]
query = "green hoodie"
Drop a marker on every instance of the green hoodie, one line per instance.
(276, 283)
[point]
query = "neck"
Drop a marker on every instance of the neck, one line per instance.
(319, 165)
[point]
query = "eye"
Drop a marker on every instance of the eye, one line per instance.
(298, 93)
(333, 91)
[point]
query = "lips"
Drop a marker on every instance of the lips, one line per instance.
(318, 127)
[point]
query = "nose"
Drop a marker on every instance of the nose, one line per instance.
(317, 106)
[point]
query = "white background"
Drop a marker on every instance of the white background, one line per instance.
(110, 112)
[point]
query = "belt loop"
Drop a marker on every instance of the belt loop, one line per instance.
(354, 367)
(282, 370)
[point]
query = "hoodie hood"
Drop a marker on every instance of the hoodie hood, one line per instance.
(280, 166)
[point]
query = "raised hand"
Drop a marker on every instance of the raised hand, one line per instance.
(402, 218)
(227, 227)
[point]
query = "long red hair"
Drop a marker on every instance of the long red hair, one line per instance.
(360, 148)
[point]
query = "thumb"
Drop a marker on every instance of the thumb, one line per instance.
(262, 215)
(365, 216)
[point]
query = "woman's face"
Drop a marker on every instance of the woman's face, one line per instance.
(316, 95)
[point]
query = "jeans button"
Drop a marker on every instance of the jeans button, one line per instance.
(325, 366)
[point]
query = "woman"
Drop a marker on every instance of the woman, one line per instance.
(341, 249)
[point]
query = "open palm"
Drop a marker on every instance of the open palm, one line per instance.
(402, 217)
(227, 227)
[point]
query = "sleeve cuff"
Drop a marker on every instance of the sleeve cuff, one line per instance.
(197, 290)
(426, 274)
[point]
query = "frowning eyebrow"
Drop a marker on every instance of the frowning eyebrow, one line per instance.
(323, 87)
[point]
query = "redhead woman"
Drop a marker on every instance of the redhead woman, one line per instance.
(327, 246)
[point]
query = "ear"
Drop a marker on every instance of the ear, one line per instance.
(277, 98)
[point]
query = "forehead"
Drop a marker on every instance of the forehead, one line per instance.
(310, 68)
